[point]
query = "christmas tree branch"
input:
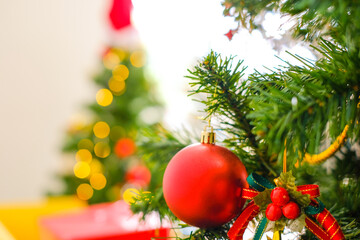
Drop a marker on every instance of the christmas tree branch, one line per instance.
(215, 77)
(303, 103)
(228, 95)
(314, 19)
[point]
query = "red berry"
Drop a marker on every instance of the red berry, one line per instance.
(291, 210)
(279, 196)
(273, 212)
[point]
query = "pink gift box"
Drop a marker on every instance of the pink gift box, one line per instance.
(106, 221)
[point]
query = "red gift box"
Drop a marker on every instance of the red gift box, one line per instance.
(106, 221)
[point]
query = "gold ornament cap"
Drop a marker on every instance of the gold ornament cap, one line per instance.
(208, 137)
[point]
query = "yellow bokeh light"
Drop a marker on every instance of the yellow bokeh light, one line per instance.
(84, 191)
(104, 97)
(138, 59)
(116, 85)
(98, 181)
(120, 73)
(111, 60)
(85, 144)
(83, 155)
(101, 129)
(130, 195)
(96, 166)
(102, 149)
(121, 53)
(81, 169)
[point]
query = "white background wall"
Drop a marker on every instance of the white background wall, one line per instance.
(48, 49)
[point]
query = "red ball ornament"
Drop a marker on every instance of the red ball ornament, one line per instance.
(273, 212)
(279, 196)
(202, 184)
(291, 210)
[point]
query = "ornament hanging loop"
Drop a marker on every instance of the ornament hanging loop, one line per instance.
(208, 137)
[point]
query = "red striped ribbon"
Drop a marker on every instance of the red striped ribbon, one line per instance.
(236, 232)
(329, 223)
(311, 189)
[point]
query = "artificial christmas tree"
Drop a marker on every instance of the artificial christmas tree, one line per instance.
(105, 146)
(287, 113)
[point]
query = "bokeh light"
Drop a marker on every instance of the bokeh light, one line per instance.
(125, 147)
(111, 60)
(104, 97)
(96, 166)
(130, 195)
(101, 129)
(98, 181)
(138, 59)
(121, 53)
(81, 169)
(83, 155)
(85, 144)
(120, 73)
(139, 175)
(102, 149)
(84, 191)
(116, 86)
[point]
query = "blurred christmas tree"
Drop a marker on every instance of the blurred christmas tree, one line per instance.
(302, 109)
(104, 148)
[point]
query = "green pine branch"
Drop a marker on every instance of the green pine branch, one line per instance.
(227, 97)
(337, 20)
(301, 104)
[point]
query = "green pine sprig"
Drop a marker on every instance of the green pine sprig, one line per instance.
(227, 97)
